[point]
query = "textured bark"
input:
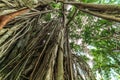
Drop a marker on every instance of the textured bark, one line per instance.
(104, 16)
(103, 7)
(4, 19)
(60, 68)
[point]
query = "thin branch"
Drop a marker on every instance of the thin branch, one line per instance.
(108, 17)
(74, 14)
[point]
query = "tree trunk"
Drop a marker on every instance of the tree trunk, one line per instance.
(32, 48)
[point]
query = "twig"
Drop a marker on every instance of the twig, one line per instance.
(71, 18)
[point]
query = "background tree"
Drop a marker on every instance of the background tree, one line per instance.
(42, 40)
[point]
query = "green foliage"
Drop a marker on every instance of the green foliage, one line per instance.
(47, 17)
(75, 47)
(89, 1)
(102, 1)
(103, 35)
(56, 6)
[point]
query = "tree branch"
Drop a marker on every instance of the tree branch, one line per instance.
(105, 16)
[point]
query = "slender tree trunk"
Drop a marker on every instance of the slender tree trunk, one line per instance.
(60, 69)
